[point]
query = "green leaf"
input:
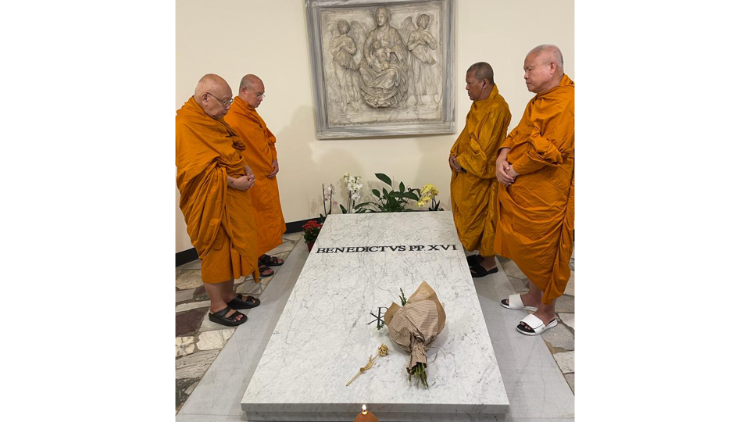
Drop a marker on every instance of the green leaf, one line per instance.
(343, 210)
(385, 193)
(361, 204)
(401, 187)
(411, 195)
(384, 178)
(376, 193)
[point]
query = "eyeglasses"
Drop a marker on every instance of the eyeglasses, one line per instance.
(225, 103)
(260, 96)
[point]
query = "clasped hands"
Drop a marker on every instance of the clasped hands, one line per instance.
(243, 182)
(453, 162)
(503, 170)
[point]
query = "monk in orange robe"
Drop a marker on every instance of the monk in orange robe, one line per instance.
(260, 154)
(472, 161)
(535, 169)
(214, 181)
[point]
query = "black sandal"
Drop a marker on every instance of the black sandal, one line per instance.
(264, 271)
(270, 261)
(238, 303)
(230, 321)
(478, 271)
(474, 259)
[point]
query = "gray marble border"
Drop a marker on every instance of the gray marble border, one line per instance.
(324, 130)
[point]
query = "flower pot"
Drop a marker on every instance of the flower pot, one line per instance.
(310, 246)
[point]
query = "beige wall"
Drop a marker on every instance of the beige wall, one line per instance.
(269, 38)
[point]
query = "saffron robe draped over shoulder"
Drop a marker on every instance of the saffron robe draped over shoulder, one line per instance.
(474, 193)
(260, 151)
(536, 212)
(219, 219)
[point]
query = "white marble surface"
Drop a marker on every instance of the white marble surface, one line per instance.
(322, 337)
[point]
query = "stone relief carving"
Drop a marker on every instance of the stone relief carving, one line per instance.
(422, 61)
(384, 64)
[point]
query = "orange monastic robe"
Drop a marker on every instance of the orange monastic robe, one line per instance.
(474, 193)
(536, 211)
(219, 219)
(260, 151)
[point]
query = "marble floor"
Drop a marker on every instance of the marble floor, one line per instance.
(538, 372)
(198, 341)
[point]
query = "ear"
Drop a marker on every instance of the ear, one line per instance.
(553, 67)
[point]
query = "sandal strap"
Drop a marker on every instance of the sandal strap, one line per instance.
(268, 260)
(249, 298)
(222, 313)
(478, 270)
(535, 323)
(514, 301)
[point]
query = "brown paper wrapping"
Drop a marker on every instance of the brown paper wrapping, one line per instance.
(415, 326)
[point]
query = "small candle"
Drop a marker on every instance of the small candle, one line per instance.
(365, 416)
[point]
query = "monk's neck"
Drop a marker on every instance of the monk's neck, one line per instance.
(486, 94)
(551, 86)
(241, 101)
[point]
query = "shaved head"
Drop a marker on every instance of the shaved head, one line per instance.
(543, 68)
(249, 81)
(549, 54)
(214, 84)
(252, 90)
(481, 71)
(211, 93)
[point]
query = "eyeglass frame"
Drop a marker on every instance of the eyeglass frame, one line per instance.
(224, 103)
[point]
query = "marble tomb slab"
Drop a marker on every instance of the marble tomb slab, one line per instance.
(322, 338)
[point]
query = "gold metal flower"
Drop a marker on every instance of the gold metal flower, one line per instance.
(382, 351)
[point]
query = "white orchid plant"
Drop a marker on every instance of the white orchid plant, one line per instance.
(353, 185)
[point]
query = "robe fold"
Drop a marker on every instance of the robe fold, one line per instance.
(474, 193)
(536, 212)
(219, 219)
(260, 151)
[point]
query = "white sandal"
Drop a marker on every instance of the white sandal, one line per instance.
(515, 302)
(536, 324)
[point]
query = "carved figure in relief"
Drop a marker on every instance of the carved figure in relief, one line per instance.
(384, 86)
(421, 62)
(343, 49)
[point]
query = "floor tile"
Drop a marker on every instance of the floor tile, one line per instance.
(559, 338)
(189, 279)
(250, 287)
(182, 386)
(195, 365)
(183, 295)
(566, 361)
(200, 294)
(565, 303)
(570, 288)
(184, 346)
(568, 319)
(294, 237)
(512, 269)
(212, 340)
(192, 305)
(570, 378)
(192, 265)
(520, 285)
(189, 322)
(285, 246)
